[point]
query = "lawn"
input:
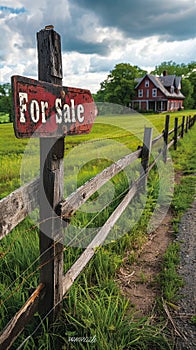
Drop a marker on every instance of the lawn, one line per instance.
(111, 138)
(4, 118)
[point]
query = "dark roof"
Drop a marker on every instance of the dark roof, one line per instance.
(164, 82)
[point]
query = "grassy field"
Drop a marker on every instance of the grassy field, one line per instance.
(94, 307)
(4, 118)
(108, 133)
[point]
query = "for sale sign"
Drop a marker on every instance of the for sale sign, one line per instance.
(47, 110)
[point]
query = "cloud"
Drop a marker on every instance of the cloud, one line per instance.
(96, 35)
(141, 18)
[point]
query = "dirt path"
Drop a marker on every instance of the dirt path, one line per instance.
(138, 280)
(187, 308)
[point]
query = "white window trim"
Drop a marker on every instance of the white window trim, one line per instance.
(140, 93)
(147, 83)
(154, 92)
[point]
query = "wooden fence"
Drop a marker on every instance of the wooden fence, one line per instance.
(15, 207)
(47, 298)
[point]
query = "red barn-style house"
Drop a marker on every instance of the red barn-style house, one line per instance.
(158, 94)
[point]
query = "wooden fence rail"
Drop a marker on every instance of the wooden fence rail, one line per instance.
(26, 198)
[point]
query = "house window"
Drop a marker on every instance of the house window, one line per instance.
(147, 83)
(154, 92)
(140, 93)
(147, 93)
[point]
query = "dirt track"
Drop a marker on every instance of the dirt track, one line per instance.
(187, 309)
(142, 293)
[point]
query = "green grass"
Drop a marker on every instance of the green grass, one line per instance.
(184, 194)
(4, 118)
(94, 305)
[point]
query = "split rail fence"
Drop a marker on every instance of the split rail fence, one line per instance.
(16, 206)
(48, 296)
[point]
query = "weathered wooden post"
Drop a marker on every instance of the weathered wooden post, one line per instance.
(146, 150)
(51, 183)
(165, 137)
(189, 122)
(186, 128)
(182, 130)
(175, 133)
(44, 108)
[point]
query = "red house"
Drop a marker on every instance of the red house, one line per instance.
(158, 94)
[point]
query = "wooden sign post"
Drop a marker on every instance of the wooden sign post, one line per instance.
(47, 110)
(51, 184)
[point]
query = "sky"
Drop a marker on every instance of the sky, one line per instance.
(96, 35)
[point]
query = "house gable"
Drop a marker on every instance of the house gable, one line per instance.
(159, 93)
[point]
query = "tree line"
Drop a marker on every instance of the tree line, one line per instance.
(6, 100)
(119, 86)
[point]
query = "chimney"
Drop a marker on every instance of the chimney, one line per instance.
(165, 73)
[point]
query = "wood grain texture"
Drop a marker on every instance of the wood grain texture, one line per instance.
(99, 239)
(51, 184)
(17, 205)
(80, 196)
(21, 318)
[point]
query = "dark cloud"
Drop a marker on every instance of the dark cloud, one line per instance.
(173, 20)
(80, 23)
(73, 44)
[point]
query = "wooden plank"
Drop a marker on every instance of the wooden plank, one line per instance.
(38, 109)
(17, 205)
(99, 239)
(175, 133)
(170, 144)
(186, 127)
(51, 184)
(21, 318)
(166, 133)
(183, 124)
(156, 139)
(68, 207)
(171, 132)
(146, 150)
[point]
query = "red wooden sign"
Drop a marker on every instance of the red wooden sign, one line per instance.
(42, 109)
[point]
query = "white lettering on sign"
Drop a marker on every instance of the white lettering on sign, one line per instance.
(64, 113)
(68, 114)
(44, 106)
(23, 98)
(58, 105)
(34, 111)
(80, 112)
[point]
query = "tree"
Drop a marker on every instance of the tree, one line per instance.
(6, 99)
(119, 85)
(188, 74)
(187, 90)
(192, 79)
(171, 68)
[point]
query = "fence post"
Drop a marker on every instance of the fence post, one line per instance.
(186, 128)
(182, 130)
(165, 137)
(146, 150)
(189, 124)
(51, 184)
(175, 133)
